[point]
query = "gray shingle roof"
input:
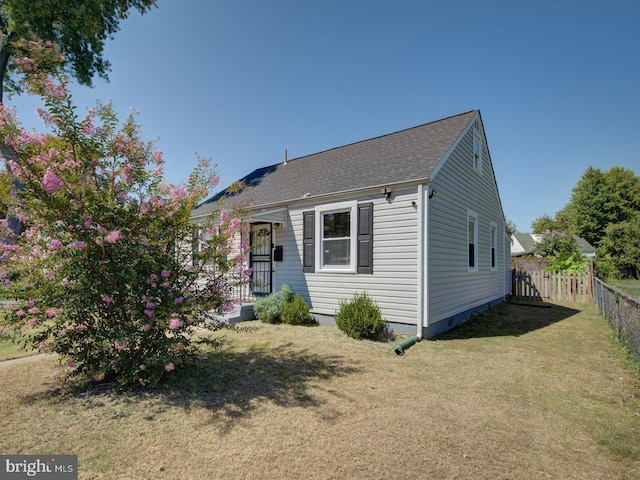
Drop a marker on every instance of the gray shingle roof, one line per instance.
(527, 242)
(402, 156)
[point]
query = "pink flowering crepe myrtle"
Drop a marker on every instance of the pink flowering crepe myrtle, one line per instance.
(101, 263)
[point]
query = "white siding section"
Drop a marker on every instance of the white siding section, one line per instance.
(454, 289)
(393, 283)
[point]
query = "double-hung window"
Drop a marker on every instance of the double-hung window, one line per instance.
(472, 240)
(493, 229)
(336, 232)
(338, 238)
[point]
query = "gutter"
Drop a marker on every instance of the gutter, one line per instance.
(328, 196)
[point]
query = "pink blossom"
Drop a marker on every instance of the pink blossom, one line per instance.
(145, 327)
(165, 274)
(50, 182)
(87, 127)
(142, 382)
(65, 281)
(178, 193)
(51, 312)
(107, 299)
(113, 237)
(157, 155)
(235, 223)
(120, 346)
(175, 323)
(24, 64)
(169, 366)
(54, 89)
(78, 244)
(148, 313)
(151, 305)
(55, 373)
(178, 301)
(55, 244)
(141, 367)
(19, 313)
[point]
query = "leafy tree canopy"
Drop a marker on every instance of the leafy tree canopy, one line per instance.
(619, 252)
(601, 199)
(564, 252)
(79, 27)
(543, 224)
(604, 210)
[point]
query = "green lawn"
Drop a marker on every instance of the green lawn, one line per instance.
(629, 286)
(9, 350)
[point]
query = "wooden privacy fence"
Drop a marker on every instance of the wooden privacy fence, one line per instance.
(555, 287)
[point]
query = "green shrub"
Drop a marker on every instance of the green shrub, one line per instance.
(269, 308)
(296, 312)
(360, 317)
(287, 293)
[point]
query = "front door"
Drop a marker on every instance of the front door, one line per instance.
(260, 259)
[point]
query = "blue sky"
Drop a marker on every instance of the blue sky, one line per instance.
(238, 81)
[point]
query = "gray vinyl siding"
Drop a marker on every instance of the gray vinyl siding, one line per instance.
(393, 282)
(452, 288)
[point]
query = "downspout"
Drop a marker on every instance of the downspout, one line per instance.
(421, 282)
(423, 244)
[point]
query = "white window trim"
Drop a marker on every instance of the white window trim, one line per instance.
(493, 244)
(472, 215)
(352, 207)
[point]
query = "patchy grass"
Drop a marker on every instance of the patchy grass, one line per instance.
(519, 392)
(629, 286)
(10, 350)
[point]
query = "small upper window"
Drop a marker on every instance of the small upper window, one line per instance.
(477, 147)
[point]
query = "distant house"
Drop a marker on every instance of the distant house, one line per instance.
(413, 218)
(525, 243)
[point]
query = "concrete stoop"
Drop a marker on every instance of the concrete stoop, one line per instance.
(240, 313)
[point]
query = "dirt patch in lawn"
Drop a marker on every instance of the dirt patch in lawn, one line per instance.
(521, 393)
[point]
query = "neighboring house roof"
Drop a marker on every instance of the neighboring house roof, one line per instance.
(404, 156)
(586, 247)
(525, 243)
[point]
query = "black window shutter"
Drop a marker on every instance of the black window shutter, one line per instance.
(308, 242)
(365, 238)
